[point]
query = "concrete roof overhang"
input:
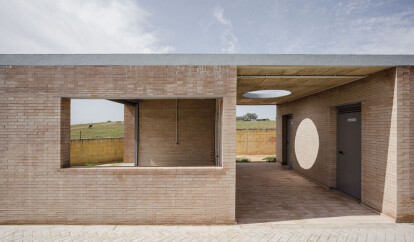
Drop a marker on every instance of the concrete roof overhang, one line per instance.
(301, 81)
(301, 74)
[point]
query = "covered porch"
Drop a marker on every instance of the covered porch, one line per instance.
(272, 193)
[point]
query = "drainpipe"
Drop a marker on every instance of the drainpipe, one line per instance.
(176, 121)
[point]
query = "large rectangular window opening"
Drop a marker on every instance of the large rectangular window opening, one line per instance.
(256, 133)
(151, 133)
(96, 133)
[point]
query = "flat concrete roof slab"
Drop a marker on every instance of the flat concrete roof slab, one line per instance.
(205, 59)
(301, 81)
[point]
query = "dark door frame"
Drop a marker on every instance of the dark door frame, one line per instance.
(285, 119)
(348, 108)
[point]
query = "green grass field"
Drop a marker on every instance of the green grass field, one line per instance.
(270, 124)
(116, 129)
(98, 130)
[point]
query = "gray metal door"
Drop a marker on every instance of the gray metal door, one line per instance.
(289, 125)
(349, 150)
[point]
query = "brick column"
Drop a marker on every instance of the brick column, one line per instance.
(129, 133)
(405, 144)
(64, 132)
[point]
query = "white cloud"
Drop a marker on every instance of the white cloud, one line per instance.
(218, 14)
(229, 41)
(387, 34)
(76, 26)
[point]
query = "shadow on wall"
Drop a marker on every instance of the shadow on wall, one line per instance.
(378, 163)
(379, 149)
(295, 197)
(315, 120)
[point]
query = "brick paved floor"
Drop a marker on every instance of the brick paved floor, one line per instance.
(250, 232)
(269, 192)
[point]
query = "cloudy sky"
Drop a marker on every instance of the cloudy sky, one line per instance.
(184, 26)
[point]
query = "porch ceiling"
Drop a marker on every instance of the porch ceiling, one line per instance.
(301, 81)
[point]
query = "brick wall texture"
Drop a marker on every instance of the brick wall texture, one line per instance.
(35, 144)
(38, 186)
(387, 138)
(194, 130)
(129, 134)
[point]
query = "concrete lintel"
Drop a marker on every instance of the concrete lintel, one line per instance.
(114, 98)
(121, 101)
(301, 77)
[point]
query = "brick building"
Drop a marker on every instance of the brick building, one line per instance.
(347, 124)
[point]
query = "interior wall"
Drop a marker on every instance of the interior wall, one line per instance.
(195, 132)
(380, 101)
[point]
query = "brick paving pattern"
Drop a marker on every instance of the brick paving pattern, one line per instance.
(269, 192)
(261, 232)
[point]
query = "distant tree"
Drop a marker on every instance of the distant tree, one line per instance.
(239, 118)
(250, 116)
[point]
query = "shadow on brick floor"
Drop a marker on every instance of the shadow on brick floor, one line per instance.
(269, 192)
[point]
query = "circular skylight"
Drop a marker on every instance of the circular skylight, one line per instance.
(266, 94)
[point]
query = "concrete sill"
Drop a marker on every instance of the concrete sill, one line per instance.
(145, 170)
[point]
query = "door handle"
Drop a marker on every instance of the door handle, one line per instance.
(341, 152)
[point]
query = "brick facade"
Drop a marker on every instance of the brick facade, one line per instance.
(37, 184)
(35, 142)
(386, 137)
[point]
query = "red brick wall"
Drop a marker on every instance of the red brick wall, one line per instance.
(34, 138)
(384, 98)
(157, 132)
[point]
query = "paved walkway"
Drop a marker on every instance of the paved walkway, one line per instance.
(261, 232)
(269, 192)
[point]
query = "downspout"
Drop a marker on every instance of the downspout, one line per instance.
(176, 121)
(136, 134)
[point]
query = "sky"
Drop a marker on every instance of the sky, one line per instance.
(187, 26)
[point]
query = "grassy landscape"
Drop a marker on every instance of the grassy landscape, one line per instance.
(98, 130)
(116, 129)
(269, 124)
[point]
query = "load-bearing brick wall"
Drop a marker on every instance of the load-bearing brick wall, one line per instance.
(385, 123)
(129, 133)
(35, 144)
(405, 131)
(176, 132)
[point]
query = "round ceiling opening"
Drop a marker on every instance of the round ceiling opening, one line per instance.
(266, 94)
